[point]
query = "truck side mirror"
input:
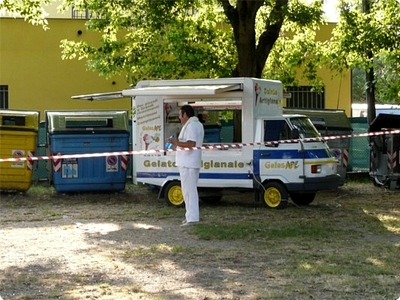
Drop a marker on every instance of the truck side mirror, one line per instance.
(295, 134)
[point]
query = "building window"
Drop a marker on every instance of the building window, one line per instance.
(304, 97)
(3, 96)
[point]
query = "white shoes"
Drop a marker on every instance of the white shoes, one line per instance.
(187, 224)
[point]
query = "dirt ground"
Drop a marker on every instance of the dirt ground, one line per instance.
(129, 245)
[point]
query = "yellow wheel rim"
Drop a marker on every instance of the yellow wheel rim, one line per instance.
(175, 195)
(272, 197)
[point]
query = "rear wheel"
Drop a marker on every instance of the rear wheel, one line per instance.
(302, 199)
(274, 195)
(173, 193)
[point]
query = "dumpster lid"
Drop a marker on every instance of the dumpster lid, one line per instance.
(327, 118)
(86, 121)
(384, 121)
(19, 119)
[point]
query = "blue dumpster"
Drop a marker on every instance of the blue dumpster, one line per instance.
(83, 132)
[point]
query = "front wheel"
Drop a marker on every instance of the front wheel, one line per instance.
(302, 199)
(274, 195)
(173, 193)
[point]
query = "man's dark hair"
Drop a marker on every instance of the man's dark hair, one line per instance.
(188, 110)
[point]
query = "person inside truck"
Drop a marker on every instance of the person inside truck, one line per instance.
(189, 162)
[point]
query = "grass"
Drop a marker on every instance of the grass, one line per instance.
(345, 245)
(251, 231)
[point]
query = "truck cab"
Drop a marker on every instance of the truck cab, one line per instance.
(292, 161)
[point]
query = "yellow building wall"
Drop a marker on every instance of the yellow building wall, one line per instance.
(36, 76)
(337, 86)
(337, 91)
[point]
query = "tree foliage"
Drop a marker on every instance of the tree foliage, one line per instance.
(31, 11)
(191, 38)
(296, 55)
(360, 34)
(221, 38)
(155, 39)
(194, 38)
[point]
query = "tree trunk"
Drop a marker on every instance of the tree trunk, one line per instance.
(370, 91)
(369, 75)
(270, 35)
(252, 56)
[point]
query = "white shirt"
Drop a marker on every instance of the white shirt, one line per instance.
(192, 131)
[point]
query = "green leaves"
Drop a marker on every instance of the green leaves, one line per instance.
(305, 15)
(31, 10)
(192, 38)
(377, 31)
(155, 39)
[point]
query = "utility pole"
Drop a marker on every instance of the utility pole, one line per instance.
(369, 73)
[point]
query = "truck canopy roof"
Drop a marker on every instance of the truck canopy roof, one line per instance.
(326, 118)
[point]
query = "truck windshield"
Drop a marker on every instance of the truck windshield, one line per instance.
(305, 127)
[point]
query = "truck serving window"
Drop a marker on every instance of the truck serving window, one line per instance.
(305, 127)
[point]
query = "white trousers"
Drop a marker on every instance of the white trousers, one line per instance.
(189, 180)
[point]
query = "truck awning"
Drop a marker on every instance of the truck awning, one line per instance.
(100, 96)
(181, 90)
(178, 90)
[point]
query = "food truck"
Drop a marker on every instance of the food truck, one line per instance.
(249, 144)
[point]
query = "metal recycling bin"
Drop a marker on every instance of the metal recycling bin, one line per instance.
(385, 151)
(18, 139)
(331, 122)
(359, 150)
(85, 132)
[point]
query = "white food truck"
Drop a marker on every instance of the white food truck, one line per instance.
(249, 143)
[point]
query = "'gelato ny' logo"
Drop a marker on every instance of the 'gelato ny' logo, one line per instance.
(289, 165)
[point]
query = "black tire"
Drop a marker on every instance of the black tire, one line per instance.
(274, 195)
(173, 193)
(302, 199)
(211, 199)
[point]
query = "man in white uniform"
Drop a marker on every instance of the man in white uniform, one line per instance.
(189, 161)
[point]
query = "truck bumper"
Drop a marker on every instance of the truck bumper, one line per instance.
(316, 184)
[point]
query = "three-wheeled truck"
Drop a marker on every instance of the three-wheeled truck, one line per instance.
(276, 155)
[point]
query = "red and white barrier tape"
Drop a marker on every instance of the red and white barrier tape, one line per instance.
(209, 147)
